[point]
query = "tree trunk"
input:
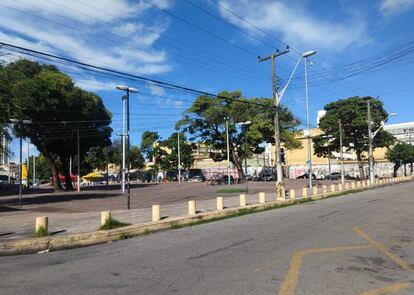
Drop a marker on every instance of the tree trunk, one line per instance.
(411, 170)
(52, 165)
(238, 163)
(396, 167)
(405, 169)
(107, 174)
(360, 166)
(68, 179)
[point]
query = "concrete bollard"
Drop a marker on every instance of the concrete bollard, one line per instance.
(339, 187)
(220, 203)
(105, 216)
(262, 197)
(353, 185)
(280, 193)
(304, 192)
(346, 186)
(156, 215)
(314, 190)
(42, 222)
(324, 189)
(243, 200)
(292, 194)
(192, 207)
(332, 188)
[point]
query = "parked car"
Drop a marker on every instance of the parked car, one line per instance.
(333, 176)
(306, 176)
(226, 179)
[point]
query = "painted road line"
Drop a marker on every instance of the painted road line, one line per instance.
(383, 249)
(291, 278)
(387, 290)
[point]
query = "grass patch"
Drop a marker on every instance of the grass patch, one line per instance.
(113, 223)
(231, 190)
(124, 236)
(41, 232)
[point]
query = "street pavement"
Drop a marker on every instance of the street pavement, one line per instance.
(360, 243)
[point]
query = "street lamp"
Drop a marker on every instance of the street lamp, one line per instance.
(371, 137)
(20, 122)
(125, 106)
(247, 123)
(306, 55)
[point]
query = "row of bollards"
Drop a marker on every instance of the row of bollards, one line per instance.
(42, 222)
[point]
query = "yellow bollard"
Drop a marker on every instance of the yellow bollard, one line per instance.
(332, 188)
(339, 187)
(105, 216)
(304, 192)
(292, 194)
(220, 203)
(346, 186)
(243, 200)
(156, 215)
(262, 197)
(192, 207)
(42, 222)
(314, 190)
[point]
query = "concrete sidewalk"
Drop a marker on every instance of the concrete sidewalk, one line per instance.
(21, 224)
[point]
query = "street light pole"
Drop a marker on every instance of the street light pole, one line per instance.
(370, 149)
(28, 163)
(126, 158)
(341, 152)
(20, 172)
(228, 151)
(306, 55)
(78, 160)
(245, 124)
(179, 156)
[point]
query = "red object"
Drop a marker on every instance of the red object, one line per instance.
(73, 177)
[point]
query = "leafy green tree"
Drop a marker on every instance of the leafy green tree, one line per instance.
(401, 154)
(353, 115)
(137, 161)
(147, 146)
(43, 171)
(169, 161)
(57, 110)
(205, 120)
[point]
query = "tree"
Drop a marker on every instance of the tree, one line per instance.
(147, 146)
(57, 110)
(353, 115)
(169, 161)
(401, 154)
(205, 120)
(137, 161)
(43, 171)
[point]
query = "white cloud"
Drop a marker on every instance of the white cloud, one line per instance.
(294, 23)
(389, 7)
(156, 90)
(107, 33)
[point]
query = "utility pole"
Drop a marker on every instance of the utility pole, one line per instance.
(78, 172)
(34, 168)
(342, 152)
(179, 156)
(370, 151)
(127, 158)
(278, 161)
(228, 151)
(123, 145)
(20, 172)
(28, 163)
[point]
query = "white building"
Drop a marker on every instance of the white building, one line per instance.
(404, 132)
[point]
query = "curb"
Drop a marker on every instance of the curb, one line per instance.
(70, 241)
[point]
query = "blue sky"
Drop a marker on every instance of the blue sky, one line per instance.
(208, 47)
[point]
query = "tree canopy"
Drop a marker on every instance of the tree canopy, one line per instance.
(206, 119)
(57, 110)
(353, 115)
(401, 154)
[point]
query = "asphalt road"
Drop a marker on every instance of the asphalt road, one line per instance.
(352, 244)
